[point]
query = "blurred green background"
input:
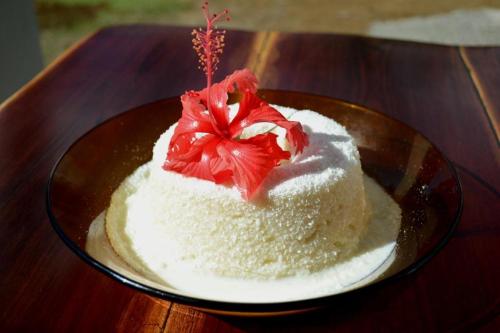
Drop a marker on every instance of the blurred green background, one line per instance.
(63, 22)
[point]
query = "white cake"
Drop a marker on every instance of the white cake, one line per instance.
(310, 212)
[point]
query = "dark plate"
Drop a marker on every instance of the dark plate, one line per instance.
(410, 168)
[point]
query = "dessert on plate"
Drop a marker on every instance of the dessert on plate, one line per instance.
(249, 195)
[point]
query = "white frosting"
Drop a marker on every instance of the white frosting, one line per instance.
(376, 252)
(309, 215)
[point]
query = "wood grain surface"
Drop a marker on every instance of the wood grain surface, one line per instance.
(483, 64)
(449, 94)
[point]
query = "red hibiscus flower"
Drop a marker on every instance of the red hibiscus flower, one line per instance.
(206, 143)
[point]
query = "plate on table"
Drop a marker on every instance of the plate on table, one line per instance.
(406, 164)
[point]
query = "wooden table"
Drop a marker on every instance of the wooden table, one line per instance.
(450, 94)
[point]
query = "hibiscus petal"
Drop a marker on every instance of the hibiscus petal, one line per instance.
(219, 108)
(219, 115)
(180, 147)
(242, 80)
(265, 113)
(194, 118)
(195, 159)
(248, 102)
(251, 160)
(268, 142)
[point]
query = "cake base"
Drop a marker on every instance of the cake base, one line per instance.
(374, 255)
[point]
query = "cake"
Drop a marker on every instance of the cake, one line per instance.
(309, 213)
(265, 201)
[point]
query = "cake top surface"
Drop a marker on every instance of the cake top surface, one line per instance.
(330, 152)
